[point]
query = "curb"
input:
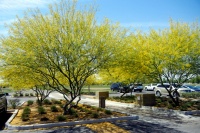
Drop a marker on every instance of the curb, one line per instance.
(50, 125)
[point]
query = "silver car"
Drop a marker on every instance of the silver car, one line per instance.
(161, 90)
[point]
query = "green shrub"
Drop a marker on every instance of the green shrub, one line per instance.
(54, 108)
(47, 101)
(95, 115)
(108, 112)
(55, 101)
(41, 110)
(61, 118)
(25, 117)
(99, 109)
(25, 114)
(191, 95)
(14, 103)
(27, 110)
(72, 111)
(29, 102)
(15, 95)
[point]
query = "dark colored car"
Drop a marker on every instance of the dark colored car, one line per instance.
(136, 87)
(115, 86)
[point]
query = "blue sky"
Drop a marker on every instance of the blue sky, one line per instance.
(139, 14)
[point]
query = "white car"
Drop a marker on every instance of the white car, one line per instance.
(161, 90)
(150, 87)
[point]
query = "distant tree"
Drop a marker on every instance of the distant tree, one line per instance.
(171, 54)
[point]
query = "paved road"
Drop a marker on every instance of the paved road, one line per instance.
(149, 121)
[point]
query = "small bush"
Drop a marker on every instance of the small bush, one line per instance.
(95, 115)
(55, 101)
(61, 118)
(108, 112)
(41, 110)
(15, 95)
(25, 117)
(25, 114)
(72, 111)
(47, 101)
(191, 95)
(99, 109)
(14, 103)
(54, 108)
(27, 110)
(29, 102)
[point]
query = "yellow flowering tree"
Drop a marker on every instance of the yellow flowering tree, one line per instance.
(66, 46)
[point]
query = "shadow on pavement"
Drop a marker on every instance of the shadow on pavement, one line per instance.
(144, 127)
(75, 129)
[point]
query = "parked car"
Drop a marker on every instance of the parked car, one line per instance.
(3, 102)
(197, 89)
(115, 86)
(161, 90)
(136, 87)
(150, 87)
(193, 88)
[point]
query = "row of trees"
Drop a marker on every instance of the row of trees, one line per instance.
(64, 49)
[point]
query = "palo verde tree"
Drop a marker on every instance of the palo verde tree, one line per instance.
(23, 77)
(66, 45)
(171, 54)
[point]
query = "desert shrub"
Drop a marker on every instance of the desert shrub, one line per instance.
(61, 118)
(41, 110)
(39, 102)
(29, 102)
(47, 101)
(25, 117)
(88, 93)
(108, 112)
(95, 115)
(14, 103)
(72, 111)
(27, 110)
(25, 114)
(54, 101)
(26, 94)
(99, 109)
(15, 95)
(54, 108)
(191, 95)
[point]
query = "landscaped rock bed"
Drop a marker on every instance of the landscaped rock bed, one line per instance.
(51, 112)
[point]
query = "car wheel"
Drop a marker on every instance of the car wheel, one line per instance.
(158, 94)
(140, 90)
(153, 88)
(146, 89)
